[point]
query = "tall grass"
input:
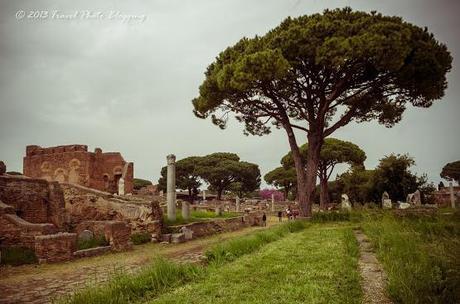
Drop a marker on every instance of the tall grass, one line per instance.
(150, 282)
(419, 255)
(232, 249)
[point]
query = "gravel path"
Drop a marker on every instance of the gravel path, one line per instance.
(374, 278)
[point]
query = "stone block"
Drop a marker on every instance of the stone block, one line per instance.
(55, 247)
(177, 238)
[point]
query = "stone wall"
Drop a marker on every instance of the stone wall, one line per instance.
(74, 164)
(55, 247)
(84, 204)
(34, 200)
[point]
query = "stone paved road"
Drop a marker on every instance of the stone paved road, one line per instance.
(39, 284)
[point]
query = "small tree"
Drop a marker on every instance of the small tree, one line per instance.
(317, 73)
(222, 170)
(451, 171)
(282, 178)
(139, 183)
(334, 151)
(393, 176)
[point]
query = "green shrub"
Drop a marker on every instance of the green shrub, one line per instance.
(96, 241)
(140, 238)
(150, 282)
(234, 248)
(18, 256)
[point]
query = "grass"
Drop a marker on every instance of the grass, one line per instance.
(196, 216)
(232, 249)
(313, 266)
(163, 275)
(150, 282)
(16, 256)
(419, 254)
(96, 241)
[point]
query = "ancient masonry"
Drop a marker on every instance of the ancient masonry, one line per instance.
(73, 164)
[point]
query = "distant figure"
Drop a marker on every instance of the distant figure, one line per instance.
(280, 216)
(264, 220)
(288, 213)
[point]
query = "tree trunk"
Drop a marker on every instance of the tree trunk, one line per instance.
(324, 199)
(304, 203)
(219, 193)
(315, 141)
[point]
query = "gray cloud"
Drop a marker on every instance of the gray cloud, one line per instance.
(128, 87)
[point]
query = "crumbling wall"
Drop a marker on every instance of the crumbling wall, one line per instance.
(55, 247)
(34, 200)
(84, 204)
(74, 164)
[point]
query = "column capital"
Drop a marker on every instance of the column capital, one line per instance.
(171, 159)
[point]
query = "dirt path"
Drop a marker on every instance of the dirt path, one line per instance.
(374, 278)
(41, 283)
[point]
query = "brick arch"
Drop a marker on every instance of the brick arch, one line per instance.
(60, 175)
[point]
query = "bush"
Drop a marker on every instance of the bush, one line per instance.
(150, 282)
(140, 238)
(96, 241)
(18, 256)
(234, 248)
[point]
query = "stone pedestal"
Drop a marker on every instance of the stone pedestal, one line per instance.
(171, 187)
(186, 210)
(273, 202)
(237, 207)
(452, 196)
(218, 210)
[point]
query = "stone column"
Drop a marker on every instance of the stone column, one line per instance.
(186, 210)
(452, 197)
(273, 202)
(204, 195)
(171, 187)
(237, 207)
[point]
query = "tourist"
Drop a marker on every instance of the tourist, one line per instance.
(280, 216)
(264, 220)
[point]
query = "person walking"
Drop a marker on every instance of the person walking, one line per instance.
(264, 220)
(280, 216)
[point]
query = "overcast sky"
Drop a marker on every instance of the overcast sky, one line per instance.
(126, 86)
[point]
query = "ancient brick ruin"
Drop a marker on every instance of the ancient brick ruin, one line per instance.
(106, 171)
(48, 217)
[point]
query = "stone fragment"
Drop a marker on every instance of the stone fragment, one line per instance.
(386, 201)
(403, 205)
(177, 238)
(186, 210)
(188, 233)
(346, 205)
(86, 235)
(166, 237)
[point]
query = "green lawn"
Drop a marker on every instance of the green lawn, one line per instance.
(316, 265)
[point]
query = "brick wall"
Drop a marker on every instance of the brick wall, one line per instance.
(55, 247)
(74, 164)
(34, 200)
